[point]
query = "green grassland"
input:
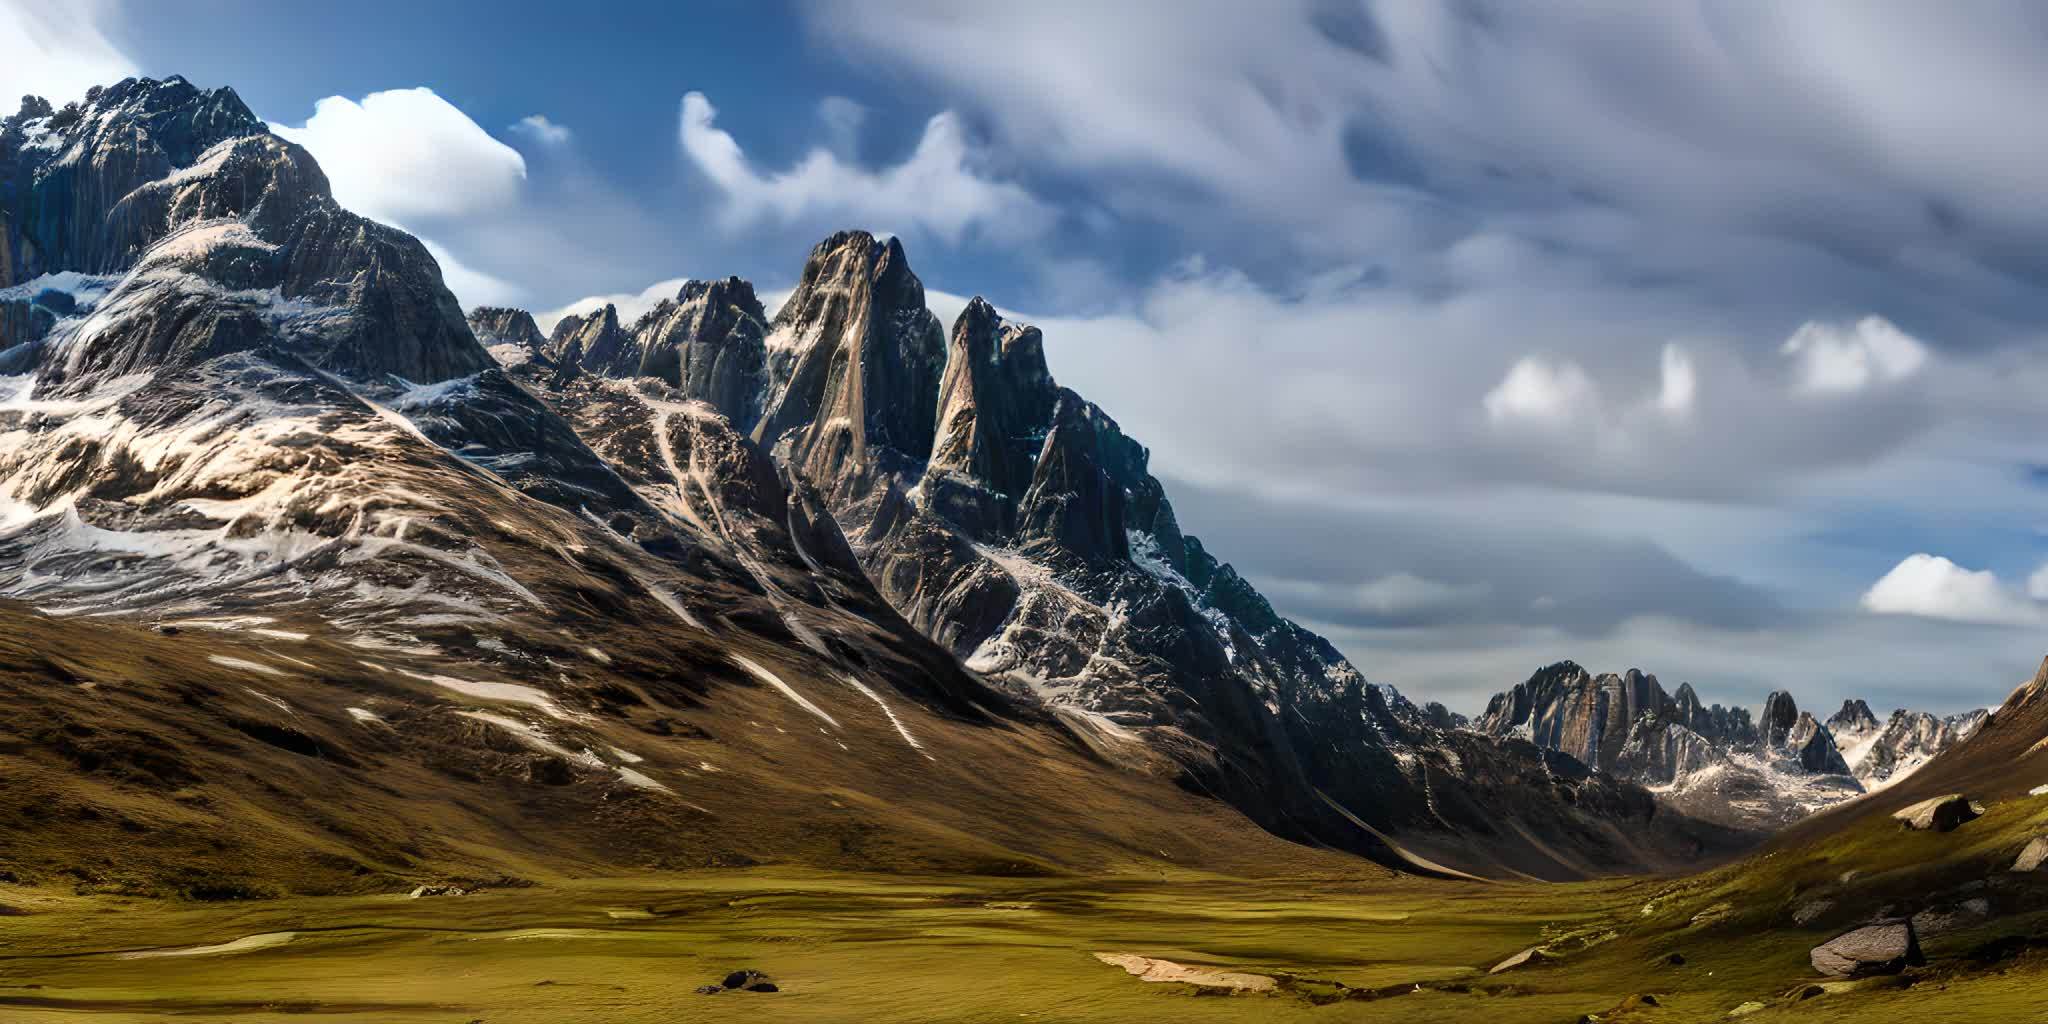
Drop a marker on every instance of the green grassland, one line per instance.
(869, 947)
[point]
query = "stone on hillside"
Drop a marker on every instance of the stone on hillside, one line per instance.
(741, 981)
(1811, 911)
(2033, 855)
(1949, 917)
(1527, 958)
(1885, 948)
(1940, 814)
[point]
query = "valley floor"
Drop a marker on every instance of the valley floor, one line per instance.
(846, 947)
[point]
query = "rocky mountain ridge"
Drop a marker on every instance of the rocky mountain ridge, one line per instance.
(707, 581)
(1879, 754)
(1721, 763)
(1014, 523)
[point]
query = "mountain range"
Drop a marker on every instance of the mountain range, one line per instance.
(240, 414)
(1722, 764)
(235, 410)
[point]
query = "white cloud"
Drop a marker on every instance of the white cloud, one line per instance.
(1542, 390)
(631, 305)
(2037, 584)
(1930, 586)
(935, 188)
(1834, 359)
(1559, 392)
(56, 51)
(1680, 384)
(408, 154)
(842, 120)
(541, 130)
(1406, 593)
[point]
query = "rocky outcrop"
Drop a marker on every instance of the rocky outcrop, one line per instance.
(510, 335)
(1534, 956)
(1440, 717)
(595, 343)
(1940, 814)
(1885, 948)
(2032, 856)
(1908, 740)
(1564, 707)
(1775, 722)
(1813, 746)
(996, 407)
(1948, 917)
(709, 342)
(1853, 721)
(190, 185)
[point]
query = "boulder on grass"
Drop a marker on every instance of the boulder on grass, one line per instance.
(1941, 814)
(1884, 948)
(2033, 855)
(1939, 920)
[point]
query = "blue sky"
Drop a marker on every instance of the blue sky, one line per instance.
(1696, 337)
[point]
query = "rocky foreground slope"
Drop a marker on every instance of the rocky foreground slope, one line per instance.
(693, 590)
(1719, 763)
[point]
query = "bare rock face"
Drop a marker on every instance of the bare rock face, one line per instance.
(1854, 720)
(1908, 740)
(854, 364)
(1814, 747)
(1441, 717)
(1776, 721)
(595, 344)
(1073, 504)
(1940, 814)
(190, 186)
(2033, 855)
(995, 400)
(709, 342)
(1564, 707)
(510, 335)
(1886, 948)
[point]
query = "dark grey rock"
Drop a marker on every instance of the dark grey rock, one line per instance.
(1948, 917)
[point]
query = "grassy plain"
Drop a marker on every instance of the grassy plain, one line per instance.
(859, 947)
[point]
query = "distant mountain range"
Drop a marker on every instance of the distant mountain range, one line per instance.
(1719, 763)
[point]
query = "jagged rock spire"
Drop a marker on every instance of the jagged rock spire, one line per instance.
(995, 400)
(854, 362)
(594, 342)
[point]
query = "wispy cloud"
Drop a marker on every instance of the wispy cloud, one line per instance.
(935, 189)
